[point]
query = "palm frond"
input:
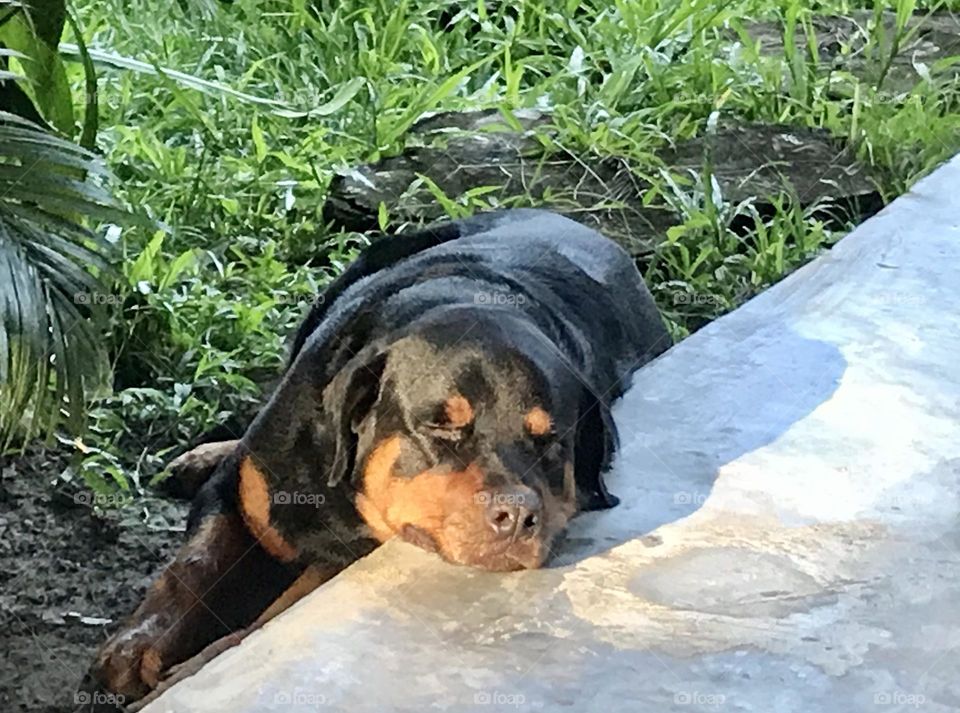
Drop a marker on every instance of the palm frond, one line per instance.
(51, 267)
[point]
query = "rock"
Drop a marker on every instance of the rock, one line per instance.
(467, 152)
(767, 160)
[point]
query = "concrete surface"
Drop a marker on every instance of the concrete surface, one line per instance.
(789, 538)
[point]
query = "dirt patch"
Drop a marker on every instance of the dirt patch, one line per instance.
(68, 576)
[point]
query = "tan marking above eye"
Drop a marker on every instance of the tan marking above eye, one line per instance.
(458, 411)
(538, 422)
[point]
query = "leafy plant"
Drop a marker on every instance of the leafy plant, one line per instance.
(32, 29)
(50, 263)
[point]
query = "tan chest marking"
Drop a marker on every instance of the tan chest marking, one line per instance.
(255, 501)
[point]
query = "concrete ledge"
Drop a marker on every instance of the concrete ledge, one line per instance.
(788, 538)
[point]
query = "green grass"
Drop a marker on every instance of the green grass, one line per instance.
(205, 303)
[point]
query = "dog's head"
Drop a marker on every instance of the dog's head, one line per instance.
(473, 437)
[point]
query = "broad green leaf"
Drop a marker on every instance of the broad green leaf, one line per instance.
(143, 268)
(47, 18)
(343, 96)
(179, 265)
(47, 83)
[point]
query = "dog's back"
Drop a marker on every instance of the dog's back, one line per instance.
(581, 289)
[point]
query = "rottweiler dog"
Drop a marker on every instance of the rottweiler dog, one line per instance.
(452, 388)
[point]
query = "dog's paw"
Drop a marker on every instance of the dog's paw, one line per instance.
(129, 666)
(92, 697)
(202, 458)
(190, 470)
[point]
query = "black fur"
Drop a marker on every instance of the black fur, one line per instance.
(576, 308)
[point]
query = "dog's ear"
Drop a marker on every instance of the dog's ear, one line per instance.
(347, 401)
(303, 439)
(596, 441)
(303, 443)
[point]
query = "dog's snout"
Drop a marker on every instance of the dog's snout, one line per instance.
(514, 512)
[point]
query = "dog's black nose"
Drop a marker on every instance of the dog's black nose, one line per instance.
(514, 511)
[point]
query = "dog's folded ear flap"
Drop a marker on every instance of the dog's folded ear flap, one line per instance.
(347, 400)
(596, 441)
(303, 437)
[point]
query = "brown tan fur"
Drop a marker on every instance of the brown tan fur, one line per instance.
(537, 422)
(458, 411)
(175, 617)
(311, 578)
(255, 500)
(192, 469)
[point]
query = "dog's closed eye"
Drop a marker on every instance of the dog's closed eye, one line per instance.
(444, 431)
(449, 420)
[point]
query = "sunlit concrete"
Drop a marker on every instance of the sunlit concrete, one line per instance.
(788, 538)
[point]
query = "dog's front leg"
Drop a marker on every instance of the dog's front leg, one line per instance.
(220, 582)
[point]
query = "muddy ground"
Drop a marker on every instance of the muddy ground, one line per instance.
(68, 576)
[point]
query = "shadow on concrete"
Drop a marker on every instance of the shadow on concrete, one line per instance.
(703, 404)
